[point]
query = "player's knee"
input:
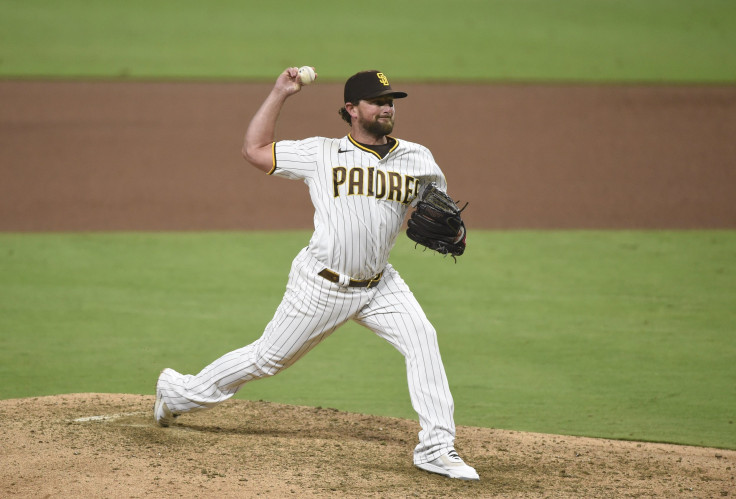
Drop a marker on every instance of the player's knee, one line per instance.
(425, 337)
(270, 363)
(427, 332)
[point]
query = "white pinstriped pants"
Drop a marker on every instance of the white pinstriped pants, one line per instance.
(312, 308)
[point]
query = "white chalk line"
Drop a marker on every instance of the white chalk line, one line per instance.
(106, 417)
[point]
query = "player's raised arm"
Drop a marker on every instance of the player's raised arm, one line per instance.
(260, 135)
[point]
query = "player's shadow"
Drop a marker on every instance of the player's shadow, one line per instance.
(367, 434)
(300, 422)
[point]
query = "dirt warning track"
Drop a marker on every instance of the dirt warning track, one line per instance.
(81, 156)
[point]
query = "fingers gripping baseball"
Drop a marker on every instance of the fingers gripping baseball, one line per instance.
(293, 79)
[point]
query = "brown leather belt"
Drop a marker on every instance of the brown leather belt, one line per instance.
(354, 283)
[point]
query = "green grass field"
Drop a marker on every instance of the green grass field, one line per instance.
(529, 40)
(614, 334)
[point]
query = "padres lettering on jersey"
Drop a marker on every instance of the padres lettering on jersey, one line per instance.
(360, 199)
(368, 181)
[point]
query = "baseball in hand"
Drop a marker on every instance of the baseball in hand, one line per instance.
(306, 75)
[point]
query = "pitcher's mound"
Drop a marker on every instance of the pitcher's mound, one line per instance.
(107, 445)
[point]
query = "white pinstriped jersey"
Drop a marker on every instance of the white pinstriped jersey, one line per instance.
(360, 200)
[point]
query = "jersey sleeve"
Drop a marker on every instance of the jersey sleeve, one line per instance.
(295, 159)
(433, 172)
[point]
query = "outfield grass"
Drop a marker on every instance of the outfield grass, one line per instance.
(529, 40)
(613, 334)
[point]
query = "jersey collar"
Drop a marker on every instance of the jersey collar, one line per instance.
(363, 148)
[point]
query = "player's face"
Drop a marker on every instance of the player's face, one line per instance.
(376, 116)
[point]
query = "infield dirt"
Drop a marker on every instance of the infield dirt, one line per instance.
(80, 156)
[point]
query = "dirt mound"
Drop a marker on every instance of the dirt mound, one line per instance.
(106, 445)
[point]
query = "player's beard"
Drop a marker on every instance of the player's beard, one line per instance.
(378, 128)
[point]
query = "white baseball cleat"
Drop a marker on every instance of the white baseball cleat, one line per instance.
(450, 465)
(161, 413)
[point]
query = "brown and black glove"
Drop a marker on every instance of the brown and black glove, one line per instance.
(436, 223)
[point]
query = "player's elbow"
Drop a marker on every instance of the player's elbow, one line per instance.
(245, 153)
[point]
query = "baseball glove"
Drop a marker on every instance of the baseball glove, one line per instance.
(436, 223)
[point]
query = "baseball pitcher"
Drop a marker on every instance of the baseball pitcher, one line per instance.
(362, 186)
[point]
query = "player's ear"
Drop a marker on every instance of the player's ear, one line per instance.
(351, 109)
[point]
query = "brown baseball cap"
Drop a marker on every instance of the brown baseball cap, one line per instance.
(369, 85)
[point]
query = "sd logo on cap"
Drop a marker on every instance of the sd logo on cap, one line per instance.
(369, 85)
